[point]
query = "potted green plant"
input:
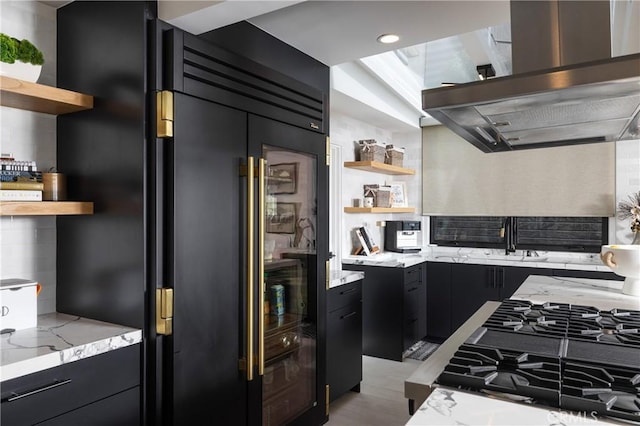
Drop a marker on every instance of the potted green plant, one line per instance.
(20, 59)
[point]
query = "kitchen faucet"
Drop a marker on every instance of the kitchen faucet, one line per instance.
(508, 232)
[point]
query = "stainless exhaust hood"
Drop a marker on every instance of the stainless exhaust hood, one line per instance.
(565, 88)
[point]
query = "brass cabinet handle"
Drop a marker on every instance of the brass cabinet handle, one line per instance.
(250, 271)
(262, 284)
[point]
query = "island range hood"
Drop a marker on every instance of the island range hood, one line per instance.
(565, 88)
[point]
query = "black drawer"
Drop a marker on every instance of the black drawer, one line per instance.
(413, 274)
(122, 409)
(46, 394)
(344, 295)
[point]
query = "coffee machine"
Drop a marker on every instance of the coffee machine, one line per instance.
(402, 236)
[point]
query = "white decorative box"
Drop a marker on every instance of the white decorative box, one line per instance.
(19, 304)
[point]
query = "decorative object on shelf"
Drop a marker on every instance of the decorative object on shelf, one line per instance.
(371, 150)
(395, 155)
(630, 209)
(384, 197)
(282, 178)
(370, 192)
(55, 186)
(20, 59)
(284, 219)
(398, 194)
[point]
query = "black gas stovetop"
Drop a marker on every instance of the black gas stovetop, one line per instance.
(559, 355)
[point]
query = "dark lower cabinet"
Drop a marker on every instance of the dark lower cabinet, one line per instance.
(394, 306)
(438, 300)
(120, 409)
(456, 291)
(475, 284)
(100, 390)
(344, 339)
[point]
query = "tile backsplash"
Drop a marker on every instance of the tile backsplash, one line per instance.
(28, 244)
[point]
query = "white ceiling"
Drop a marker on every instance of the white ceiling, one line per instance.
(334, 32)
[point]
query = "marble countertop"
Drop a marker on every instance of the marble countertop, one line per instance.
(603, 294)
(338, 278)
(452, 407)
(554, 260)
(59, 339)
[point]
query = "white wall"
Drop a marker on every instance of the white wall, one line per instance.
(28, 244)
(345, 131)
(627, 183)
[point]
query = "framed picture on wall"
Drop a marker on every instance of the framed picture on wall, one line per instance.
(283, 221)
(282, 178)
(398, 194)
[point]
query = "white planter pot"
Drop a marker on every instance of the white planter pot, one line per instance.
(21, 71)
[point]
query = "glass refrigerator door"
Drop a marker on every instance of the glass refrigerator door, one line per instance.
(290, 317)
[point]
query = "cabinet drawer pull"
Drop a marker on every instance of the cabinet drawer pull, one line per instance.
(412, 289)
(349, 290)
(42, 389)
(348, 315)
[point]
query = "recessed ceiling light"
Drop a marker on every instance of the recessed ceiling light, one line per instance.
(388, 38)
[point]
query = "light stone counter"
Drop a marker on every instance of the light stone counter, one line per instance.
(338, 278)
(603, 294)
(59, 339)
(569, 261)
(452, 407)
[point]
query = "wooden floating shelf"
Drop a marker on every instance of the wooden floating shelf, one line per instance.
(45, 208)
(40, 98)
(375, 166)
(379, 210)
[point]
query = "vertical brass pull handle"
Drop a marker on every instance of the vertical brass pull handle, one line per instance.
(250, 271)
(262, 284)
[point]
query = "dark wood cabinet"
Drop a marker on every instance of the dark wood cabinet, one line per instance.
(438, 300)
(104, 387)
(471, 286)
(172, 209)
(477, 284)
(414, 305)
(344, 338)
(456, 291)
(394, 305)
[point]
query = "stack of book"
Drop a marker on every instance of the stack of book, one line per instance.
(19, 180)
(368, 245)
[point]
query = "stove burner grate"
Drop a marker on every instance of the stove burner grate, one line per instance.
(616, 326)
(510, 372)
(603, 389)
(521, 316)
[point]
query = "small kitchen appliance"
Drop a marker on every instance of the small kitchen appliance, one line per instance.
(19, 307)
(402, 236)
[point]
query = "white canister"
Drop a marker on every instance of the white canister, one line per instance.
(19, 307)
